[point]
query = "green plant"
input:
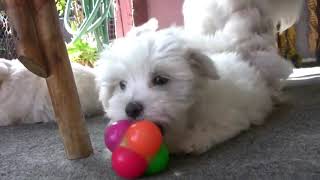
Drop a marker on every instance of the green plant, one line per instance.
(61, 5)
(86, 21)
(82, 52)
(96, 13)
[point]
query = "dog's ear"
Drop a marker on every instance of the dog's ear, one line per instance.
(150, 26)
(202, 64)
(105, 93)
(105, 77)
(105, 86)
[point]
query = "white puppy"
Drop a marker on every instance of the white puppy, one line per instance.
(24, 96)
(209, 16)
(247, 27)
(202, 90)
(200, 99)
(203, 85)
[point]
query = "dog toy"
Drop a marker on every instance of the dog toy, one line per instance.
(137, 148)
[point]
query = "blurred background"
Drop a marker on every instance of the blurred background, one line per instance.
(89, 25)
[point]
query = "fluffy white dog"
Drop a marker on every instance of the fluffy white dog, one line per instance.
(199, 99)
(244, 16)
(203, 85)
(247, 27)
(24, 96)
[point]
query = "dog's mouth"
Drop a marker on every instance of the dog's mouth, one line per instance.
(161, 127)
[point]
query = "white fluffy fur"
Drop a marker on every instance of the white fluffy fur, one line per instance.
(209, 16)
(205, 102)
(223, 72)
(24, 96)
(223, 68)
(247, 27)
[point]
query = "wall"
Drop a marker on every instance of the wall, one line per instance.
(168, 12)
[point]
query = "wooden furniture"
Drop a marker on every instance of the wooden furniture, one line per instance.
(40, 47)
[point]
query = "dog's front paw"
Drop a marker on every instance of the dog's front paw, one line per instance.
(195, 143)
(195, 147)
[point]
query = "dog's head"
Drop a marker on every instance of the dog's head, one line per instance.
(154, 75)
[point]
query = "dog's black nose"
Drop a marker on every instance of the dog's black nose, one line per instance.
(134, 109)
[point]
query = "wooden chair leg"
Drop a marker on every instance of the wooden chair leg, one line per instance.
(28, 48)
(60, 82)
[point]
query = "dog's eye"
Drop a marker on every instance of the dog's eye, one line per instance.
(160, 80)
(123, 85)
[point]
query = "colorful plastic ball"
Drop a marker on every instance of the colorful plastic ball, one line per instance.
(137, 148)
(159, 162)
(127, 163)
(114, 133)
(144, 137)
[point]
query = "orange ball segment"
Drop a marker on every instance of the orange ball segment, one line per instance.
(144, 137)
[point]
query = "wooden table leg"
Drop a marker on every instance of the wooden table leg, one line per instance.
(61, 82)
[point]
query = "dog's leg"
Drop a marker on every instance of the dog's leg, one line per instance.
(195, 141)
(199, 141)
